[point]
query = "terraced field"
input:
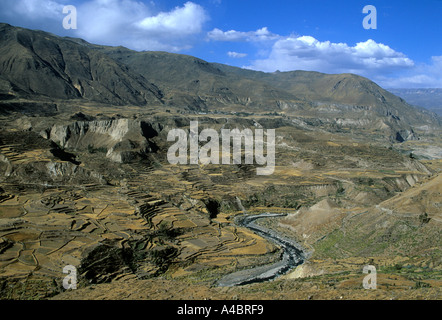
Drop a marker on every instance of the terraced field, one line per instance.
(149, 222)
(43, 231)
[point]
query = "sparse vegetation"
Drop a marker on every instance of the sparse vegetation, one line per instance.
(92, 149)
(163, 257)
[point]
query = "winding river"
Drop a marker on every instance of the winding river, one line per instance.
(292, 255)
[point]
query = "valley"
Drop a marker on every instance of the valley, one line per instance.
(149, 220)
(85, 180)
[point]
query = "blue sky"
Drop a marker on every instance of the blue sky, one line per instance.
(404, 51)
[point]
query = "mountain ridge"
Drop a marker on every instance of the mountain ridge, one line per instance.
(36, 63)
(39, 64)
(428, 98)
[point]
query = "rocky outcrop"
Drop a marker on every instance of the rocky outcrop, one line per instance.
(52, 173)
(40, 64)
(405, 135)
(121, 139)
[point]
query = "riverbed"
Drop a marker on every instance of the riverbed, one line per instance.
(292, 254)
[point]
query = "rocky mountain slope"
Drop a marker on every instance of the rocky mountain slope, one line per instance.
(213, 84)
(35, 64)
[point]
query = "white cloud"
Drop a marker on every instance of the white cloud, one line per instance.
(32, 10)
(107, 21)
(374, 60)
(135, 25)
(181, 21)
(308, 53)
(234, 54)
(131, 23)
(424, 75)
(262, 34)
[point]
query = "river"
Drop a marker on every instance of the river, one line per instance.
(292, 255)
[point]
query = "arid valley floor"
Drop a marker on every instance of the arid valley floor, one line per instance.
(152, 230)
